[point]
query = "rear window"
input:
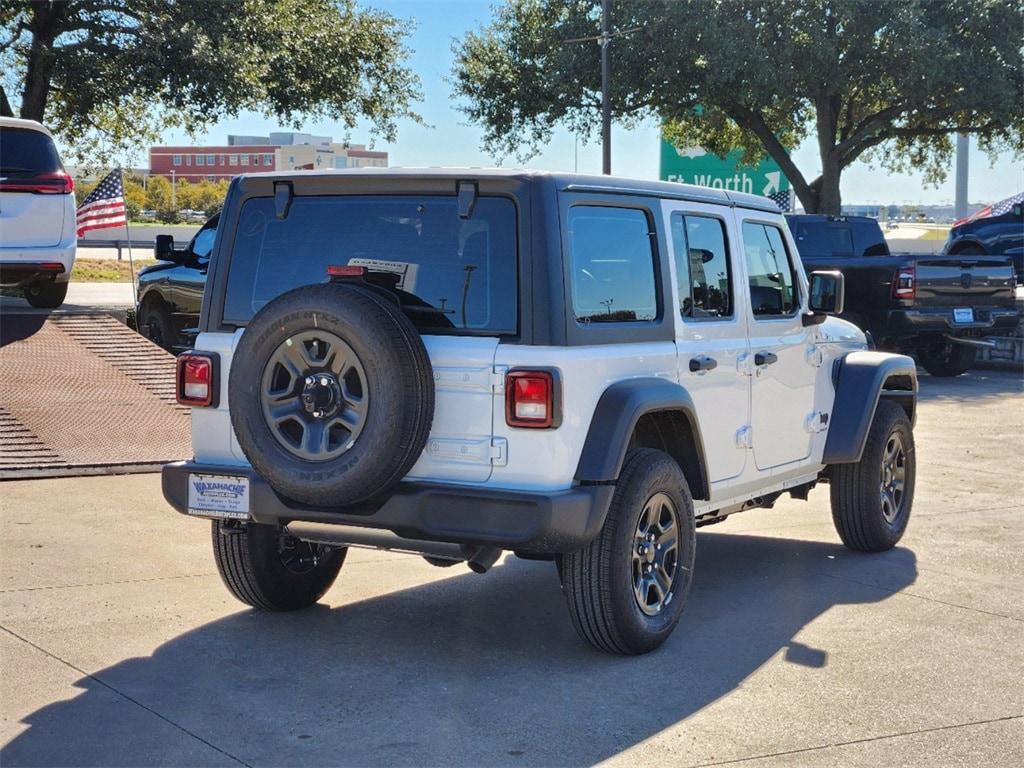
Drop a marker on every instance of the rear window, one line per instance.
(27, 153)
(453, 275)
(821, 239)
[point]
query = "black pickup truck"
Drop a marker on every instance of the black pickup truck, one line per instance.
(934, 307)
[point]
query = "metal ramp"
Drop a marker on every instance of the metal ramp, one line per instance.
(84, 394)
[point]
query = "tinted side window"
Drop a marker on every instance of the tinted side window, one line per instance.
(202, 243)
(612, 261)
(772, 280)
(702, 266)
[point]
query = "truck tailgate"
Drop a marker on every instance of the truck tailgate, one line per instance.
(964, 281)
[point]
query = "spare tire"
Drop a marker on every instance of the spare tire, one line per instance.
(331, 394)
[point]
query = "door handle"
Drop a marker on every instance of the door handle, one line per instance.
(765, 358)
(702, 363)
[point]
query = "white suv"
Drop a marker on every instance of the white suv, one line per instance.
(37, 214)
(577, 369)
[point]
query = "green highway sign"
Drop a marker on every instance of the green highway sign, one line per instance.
(695, 166)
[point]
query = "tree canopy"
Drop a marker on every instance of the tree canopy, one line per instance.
(109, 75)
(888, 82)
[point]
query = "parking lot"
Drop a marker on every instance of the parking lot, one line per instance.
(120, 646)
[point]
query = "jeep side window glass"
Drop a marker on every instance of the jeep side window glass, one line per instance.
(680, 256)
(772, 282)
(612, 263)
(709, 293)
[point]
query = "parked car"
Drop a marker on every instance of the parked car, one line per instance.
(37, 214)
(936, 308)
(995, 230)
(462, 362)
(171, 291)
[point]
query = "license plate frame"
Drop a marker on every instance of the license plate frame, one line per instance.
(963, 315)
(219, 496)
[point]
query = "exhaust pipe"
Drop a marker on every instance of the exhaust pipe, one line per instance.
(480, 559)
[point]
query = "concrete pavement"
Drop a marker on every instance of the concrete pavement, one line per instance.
(81, 296)
(119, 645)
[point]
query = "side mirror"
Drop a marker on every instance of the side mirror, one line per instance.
(828, 293)
(163, 248)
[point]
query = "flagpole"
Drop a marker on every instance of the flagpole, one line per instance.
(128, 232)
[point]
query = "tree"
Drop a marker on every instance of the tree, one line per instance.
(158, 198)
(109, 76)
(887, 82)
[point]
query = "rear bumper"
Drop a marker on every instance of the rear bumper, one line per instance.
(21, 266)
(525, 521)
(988, 321)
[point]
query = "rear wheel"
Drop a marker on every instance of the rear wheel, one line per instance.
(270, 570)
(871, 499)
(948, 360)
(626, 590)
(47, 295)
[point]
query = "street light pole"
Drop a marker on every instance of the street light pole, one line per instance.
(606, 80)
(174, 190)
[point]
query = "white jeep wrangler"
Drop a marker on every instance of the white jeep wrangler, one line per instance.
(578, 369)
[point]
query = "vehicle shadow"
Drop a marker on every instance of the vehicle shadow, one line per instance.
(464, 671)
(974, 386)
(21, 325)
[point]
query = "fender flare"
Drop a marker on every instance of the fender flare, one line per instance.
(860, 379)
(618, 410)
(960, 242)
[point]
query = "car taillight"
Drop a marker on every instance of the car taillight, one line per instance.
(530, 399)
(58, 183)
(196, 380)
(903, 284)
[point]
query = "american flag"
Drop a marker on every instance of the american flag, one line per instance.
(1004, 206)
(996, 209)
(784, 199)
(104, 207)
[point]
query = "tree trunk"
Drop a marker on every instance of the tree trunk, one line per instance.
(829, 200)
(44, 27)
(5, 105)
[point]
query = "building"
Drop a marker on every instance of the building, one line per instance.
(278, 151)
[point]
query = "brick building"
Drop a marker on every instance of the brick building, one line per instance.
(243, 154)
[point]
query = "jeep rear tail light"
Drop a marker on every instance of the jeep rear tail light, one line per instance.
(903, 284)
(530, 399)
(55, 183)
(196, 380)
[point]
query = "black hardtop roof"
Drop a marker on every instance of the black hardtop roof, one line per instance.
(575, 182)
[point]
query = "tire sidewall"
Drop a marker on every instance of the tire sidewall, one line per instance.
(662, 475)
(890, 418)
(361, 323)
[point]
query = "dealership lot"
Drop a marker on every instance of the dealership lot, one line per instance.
(120, 646)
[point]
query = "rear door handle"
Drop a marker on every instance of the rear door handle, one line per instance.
(702, 363)
(765, 358)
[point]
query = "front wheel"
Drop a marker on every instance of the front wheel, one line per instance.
(871, 499)
(626, 590)
(269, 570)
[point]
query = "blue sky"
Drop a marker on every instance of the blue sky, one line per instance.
(449, 140)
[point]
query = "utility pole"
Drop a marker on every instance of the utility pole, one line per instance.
(606, 81)
(963, 145)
